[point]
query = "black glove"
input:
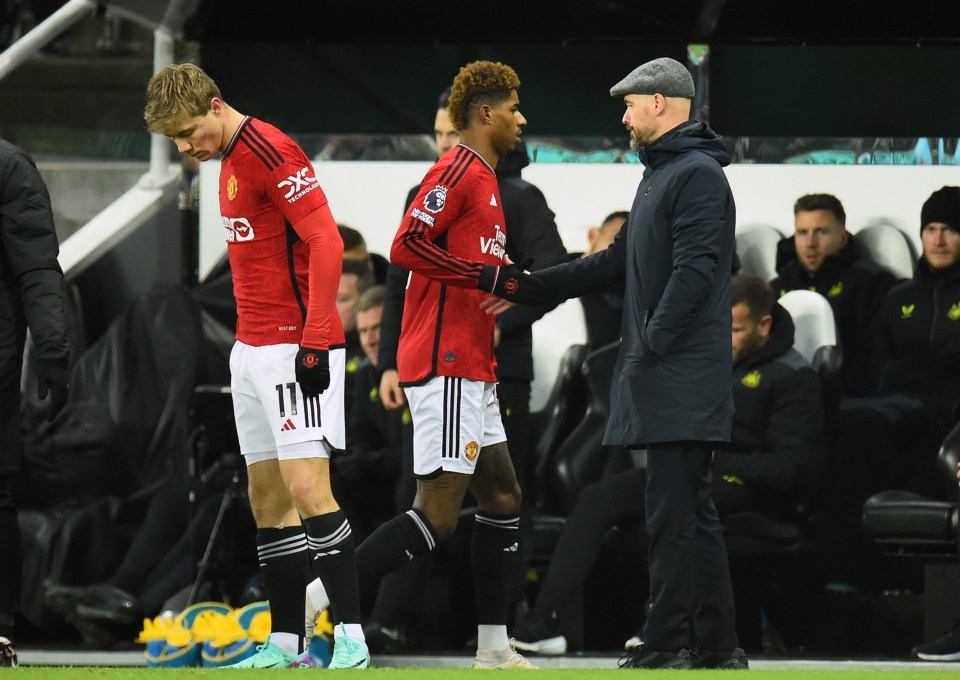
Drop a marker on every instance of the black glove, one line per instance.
(510, 283)
(313, 371)
(53, 377)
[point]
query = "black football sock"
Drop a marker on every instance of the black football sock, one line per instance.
(331, 546)
(401, 592)
(285, 565)
(393, 543)
(495, 558)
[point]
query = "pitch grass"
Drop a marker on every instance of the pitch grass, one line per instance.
(91, 673)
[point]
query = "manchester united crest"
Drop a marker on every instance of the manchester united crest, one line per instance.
(232, 187)
(471, 450)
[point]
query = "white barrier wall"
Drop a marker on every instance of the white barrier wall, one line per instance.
(369, 196)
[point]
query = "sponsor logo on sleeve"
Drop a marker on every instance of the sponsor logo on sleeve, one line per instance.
(299, 185)
(418, 214)
(435, 199)
(238, 229)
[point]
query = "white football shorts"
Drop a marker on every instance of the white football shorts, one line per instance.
(269, 407)
(453, 419)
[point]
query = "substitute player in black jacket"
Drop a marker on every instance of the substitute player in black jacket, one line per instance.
(31, 295)
(824, 257)
(893, 438)
(778, 417)
(919, 327)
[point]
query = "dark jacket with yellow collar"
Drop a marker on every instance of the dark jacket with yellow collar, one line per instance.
(919, 337)
(778, 419)
(855, 287)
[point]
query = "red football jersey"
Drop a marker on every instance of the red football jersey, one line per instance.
(452, 228)
(266, 185)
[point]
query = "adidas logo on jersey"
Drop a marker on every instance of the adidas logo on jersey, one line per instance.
(288, 426)
(493, 200)
(512, 548)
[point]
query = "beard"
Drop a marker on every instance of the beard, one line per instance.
(640, 138)
(748, 345)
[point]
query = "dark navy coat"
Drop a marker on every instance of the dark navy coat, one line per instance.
(31, 287)
(671, 381)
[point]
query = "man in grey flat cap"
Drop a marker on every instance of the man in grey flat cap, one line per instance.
(671, 392)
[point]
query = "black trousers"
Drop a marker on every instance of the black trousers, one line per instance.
(10, 560)
(691, 597)
(619, 499)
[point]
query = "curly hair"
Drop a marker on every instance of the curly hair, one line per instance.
(177, 92)
(478, 83)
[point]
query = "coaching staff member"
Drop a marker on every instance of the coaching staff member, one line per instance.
(671, 391)
(31, 295)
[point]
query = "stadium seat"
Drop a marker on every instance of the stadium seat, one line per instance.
(757, 249)
(815, 334)
(909, 525)
(581, 458)
(560, 414)
(889, 247)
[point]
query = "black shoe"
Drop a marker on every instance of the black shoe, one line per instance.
(944, 648)
(731, 660)
(540, 635)
(108, 604)
(641, 657)
(8, 653)
(384, 639)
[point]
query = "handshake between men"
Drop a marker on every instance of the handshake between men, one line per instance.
(511, 284)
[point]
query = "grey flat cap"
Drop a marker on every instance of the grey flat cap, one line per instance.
(664, 76)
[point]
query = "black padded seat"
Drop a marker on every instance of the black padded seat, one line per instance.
(906, 523)
(909, 525)
(905, 519)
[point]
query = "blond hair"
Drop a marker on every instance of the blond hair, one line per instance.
(178, 92)
(478, 83)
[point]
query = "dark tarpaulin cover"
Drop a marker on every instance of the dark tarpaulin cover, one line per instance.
(126, 422)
